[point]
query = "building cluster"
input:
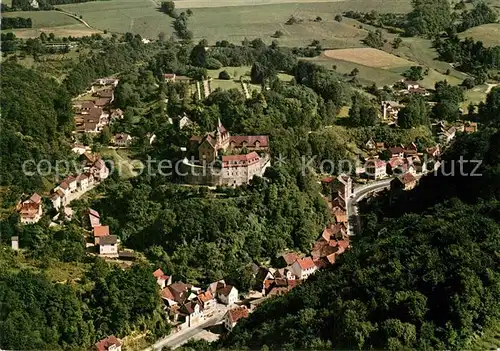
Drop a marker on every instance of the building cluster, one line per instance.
(94, 172)
(402, 160)
(108, 245)
(225, 159)
(92, 115)
(331, 244)
(187, 305)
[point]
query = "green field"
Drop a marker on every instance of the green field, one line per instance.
(236, 22)
(489, 34)
(44, 19)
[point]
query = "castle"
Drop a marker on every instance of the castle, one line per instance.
(228, 160)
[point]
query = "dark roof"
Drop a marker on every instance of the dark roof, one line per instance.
(108, 240)
(225, 290)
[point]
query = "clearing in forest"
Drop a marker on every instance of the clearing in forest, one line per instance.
(368, 57)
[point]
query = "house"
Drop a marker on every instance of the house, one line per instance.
(404, 182)
(94, 218)
(30, 211)
(448, 134)
(82, 181)
(169, 77)
(150, 138)
(122, 139)
(391, 109)
(304, 267)
(228, 295)
(212, 143)
(116, 115)
(338, 186)
(58, 198)
(375, 169)
(79, 148)
(100, 232)
(99, 170)
(290, 258)
(370, 145)
(233, 316)
(395, 165)
(410, 84)
(470, 127)
(240, 169)
(207, 301)
(185, 122)
(192, 311)
(396, 151)
(111, 343)
(108, 246)
(162, 279)
(106, 81)
(14, 243)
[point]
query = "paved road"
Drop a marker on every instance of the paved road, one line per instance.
(358, 194)
(179, 338)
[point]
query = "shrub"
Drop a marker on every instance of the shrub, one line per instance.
(224, 75)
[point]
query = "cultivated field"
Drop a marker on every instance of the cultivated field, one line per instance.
(489, 34)
(368, 57)
(238, 19)
(44, 19)
(50, 22)
(367, 75)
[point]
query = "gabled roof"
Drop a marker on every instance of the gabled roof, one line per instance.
(306, 263)
(35, 198)
(407, 178)
(101, 230)
(108, 240)
(237, 313)
(396, 150)
(252, 156)
(158, 273)
(206, 296)
(290, 257)
(250, 140)
(94, 213)
(225, 290)
(104, 344)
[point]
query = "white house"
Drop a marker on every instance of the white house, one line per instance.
(304, 267)
(376, 169)
(193, 312)
(162, 279)
(228, 295)
(233, 316)
(108, 246)
(207, 301)
(99, 170)
(122, 139)
(82, 181)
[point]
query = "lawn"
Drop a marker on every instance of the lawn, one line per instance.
(367, 75)
(123, 161)
(420, 51)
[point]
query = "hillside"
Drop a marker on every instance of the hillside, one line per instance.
(422, 275)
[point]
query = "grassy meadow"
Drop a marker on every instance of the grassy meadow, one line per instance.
(489, 34)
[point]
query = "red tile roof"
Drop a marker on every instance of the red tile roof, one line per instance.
(248, 157)
(158, 273)
(290, 258)
(237, 313)
(104, 344)
(251, 140)
(101, 230)
(306, 263)
(36, 198)
(206, 296)
(407, 178)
